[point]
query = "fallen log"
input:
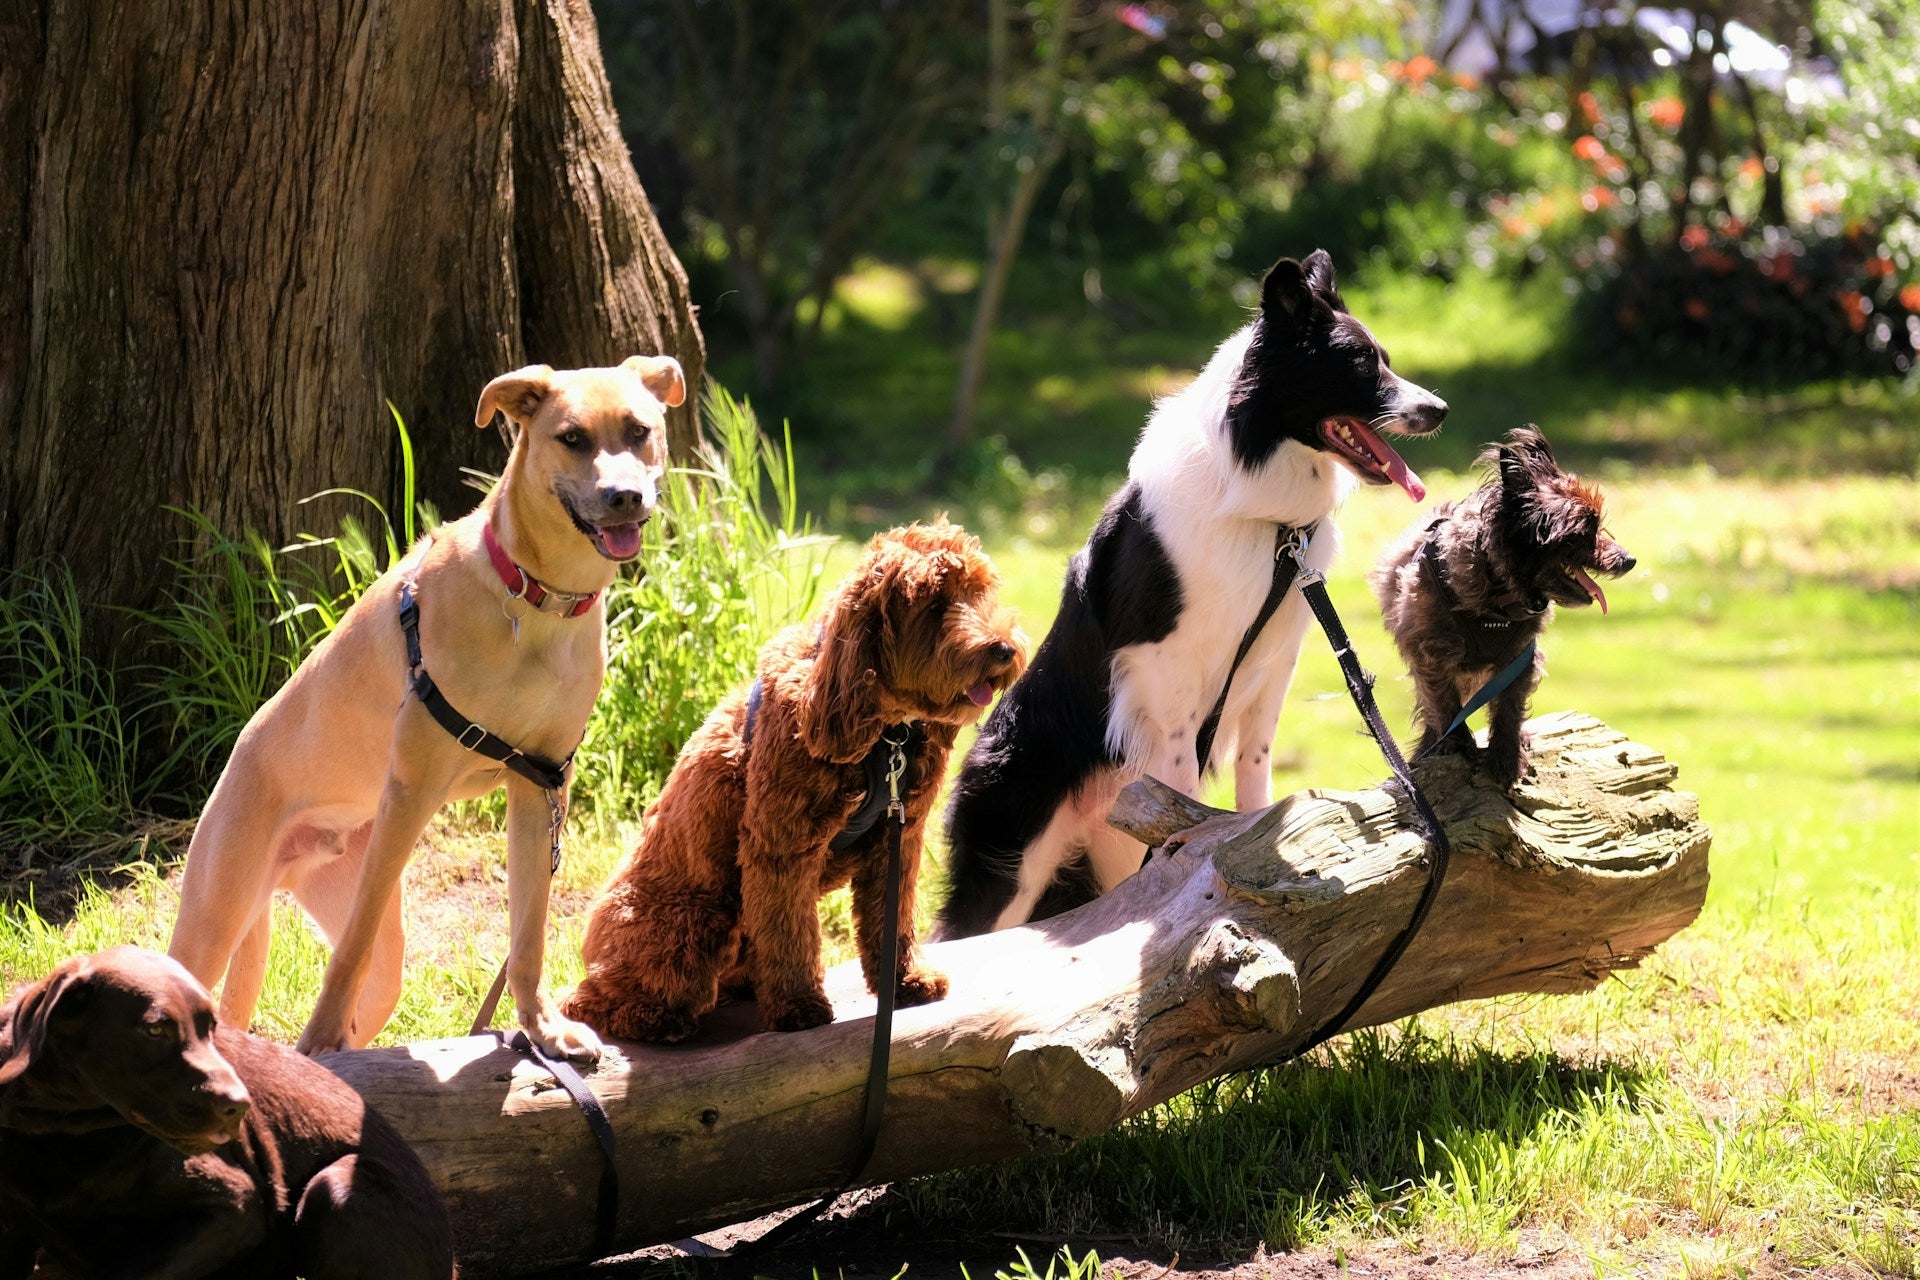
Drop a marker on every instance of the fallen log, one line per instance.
(1226, 951)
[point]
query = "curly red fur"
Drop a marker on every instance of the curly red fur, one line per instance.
(721, 889)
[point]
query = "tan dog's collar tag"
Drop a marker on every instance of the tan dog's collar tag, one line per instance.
(513, 616)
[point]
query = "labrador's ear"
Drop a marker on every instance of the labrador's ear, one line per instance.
(517, 394)
(662, 376)
(29, 1021)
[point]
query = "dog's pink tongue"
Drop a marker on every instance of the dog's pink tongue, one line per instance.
(621, 540)
(1397, 469)
(981, 694)
(1593, 588)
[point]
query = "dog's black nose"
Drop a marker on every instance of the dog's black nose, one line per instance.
(624, 502)
(1002, 652)
(1627, 562)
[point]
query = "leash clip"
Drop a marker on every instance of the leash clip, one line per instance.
(1293, 543)
(896, 769)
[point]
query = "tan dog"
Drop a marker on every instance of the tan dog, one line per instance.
(333, 780)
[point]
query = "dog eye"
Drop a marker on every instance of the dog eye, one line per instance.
(573, 439)
(159, 1030)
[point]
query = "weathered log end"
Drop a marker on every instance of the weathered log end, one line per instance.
(1236, 942)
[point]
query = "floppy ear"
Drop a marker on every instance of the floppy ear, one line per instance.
(517, 394)
(662, 376)
(840, 720)
(60, 993)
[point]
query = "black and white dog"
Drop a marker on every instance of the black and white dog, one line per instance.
(1157, 602)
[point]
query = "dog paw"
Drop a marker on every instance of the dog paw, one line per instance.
(315, 1041)
(560, 1037)
(1508, 767)
(655, 1026)
(920, 986)
(803, 1014)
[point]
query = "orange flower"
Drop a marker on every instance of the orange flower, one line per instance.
(1910, 298)
(1777, 266)
(1589, 148)
(1698, 310)
(1879, 267)
(1589, 106)
(1420, 68)
(1668, 113)
(1715, 261)
(1466, 79)
(1751, 168)
(1856, 306)
(1594, 199)
(1694, 237)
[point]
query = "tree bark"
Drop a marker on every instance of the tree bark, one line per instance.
(244, 228)
(1226, 952)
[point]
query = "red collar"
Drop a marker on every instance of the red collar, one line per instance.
(520, 583)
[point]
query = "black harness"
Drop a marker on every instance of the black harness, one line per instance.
(907, 738)
(551, 777)
(1289, 565)
(546, 774)
(1287, 544)
(1513, 605)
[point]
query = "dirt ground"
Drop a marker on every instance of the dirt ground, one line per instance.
(868, 1234)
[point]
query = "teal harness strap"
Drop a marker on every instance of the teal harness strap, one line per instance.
(1490, 690)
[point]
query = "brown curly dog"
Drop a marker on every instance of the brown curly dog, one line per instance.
(722, 886)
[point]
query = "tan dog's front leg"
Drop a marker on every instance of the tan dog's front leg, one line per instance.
(914, 983)
(420, 771)
(529, 880)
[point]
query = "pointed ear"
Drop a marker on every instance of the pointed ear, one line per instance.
(1284, 288)
(1301, 292)
(840, 720)
(1522, 457)
(1319, 272)
(517, 394)
(662, 376)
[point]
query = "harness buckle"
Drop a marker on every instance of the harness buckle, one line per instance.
(480, 736)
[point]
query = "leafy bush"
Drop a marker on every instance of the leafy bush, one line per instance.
(1776, 306)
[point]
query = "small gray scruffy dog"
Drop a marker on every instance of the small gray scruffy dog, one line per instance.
(1468, 589)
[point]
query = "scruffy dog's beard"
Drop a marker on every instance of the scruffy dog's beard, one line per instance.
(1467, 590)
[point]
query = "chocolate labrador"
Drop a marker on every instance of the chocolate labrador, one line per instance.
(140, 1139)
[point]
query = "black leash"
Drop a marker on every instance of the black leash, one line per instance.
(1289, 566)
(607, 1202)
(551, 778)
(1313, 585)
(886, 766)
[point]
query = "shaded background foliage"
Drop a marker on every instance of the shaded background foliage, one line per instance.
(1725, 185)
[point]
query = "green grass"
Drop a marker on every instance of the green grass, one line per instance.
(1745, 1103)
(1747, 1096)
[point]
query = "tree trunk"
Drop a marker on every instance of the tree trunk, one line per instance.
(1228, 952)
(242, 229)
